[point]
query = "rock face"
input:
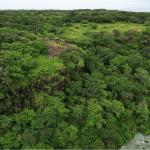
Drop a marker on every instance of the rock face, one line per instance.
(139, 141)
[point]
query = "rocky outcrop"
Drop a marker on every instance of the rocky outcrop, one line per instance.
(139, 141)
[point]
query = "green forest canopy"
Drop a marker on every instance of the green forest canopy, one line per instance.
(107, 95)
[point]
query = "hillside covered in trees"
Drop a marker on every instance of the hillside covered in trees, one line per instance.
(90, 92)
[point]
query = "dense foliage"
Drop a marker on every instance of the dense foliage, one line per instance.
(109, 88)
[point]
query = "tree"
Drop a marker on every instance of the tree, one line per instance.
(118, 108)
(94, 116)
(99, 144)
(142, 112)
(72, 14)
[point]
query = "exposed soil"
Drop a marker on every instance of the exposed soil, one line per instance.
(55, 48)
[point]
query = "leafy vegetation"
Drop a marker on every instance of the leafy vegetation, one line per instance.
(93, 95)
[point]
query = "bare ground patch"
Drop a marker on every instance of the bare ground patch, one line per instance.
(55, 46)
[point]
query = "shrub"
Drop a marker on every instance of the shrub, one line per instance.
(40, 46)
(60, 31)
(84, 21)
(69, 24)
(147, 23)
(105, 27)
(50, 35)
(90, 24)
(113, 21)
(76, 27)
(84, 25)
(94, 26)
(117, 33)
(86, 33)
(64, 25)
